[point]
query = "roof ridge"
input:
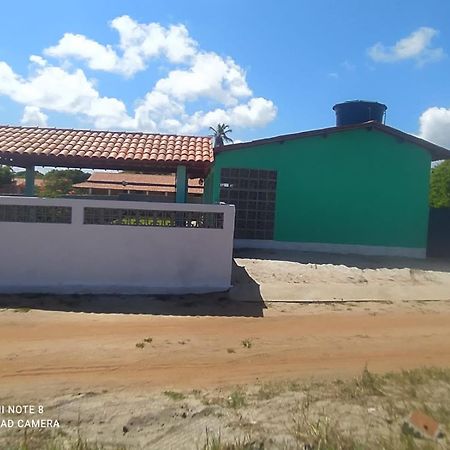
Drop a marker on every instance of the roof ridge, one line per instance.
(437, 151)
(25, 127)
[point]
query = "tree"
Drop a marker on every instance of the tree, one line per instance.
(60, 182)
(220, 134)
(6, 175)
(440, 186)
(23, 174)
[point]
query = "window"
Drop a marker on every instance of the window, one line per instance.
(35, 214)
(253, 192)
(152, 218)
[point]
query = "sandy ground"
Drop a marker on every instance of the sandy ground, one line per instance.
(288, 316)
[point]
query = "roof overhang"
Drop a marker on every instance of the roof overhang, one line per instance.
(198, 169)
(111, 150)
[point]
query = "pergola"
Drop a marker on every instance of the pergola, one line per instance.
(27, 147)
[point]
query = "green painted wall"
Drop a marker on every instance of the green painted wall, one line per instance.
(353, 187)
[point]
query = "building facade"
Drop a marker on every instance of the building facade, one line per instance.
(357, 189)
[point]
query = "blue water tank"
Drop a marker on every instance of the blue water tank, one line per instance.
(358, 111)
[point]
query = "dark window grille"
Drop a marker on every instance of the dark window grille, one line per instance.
(152, 218)
(35, 214)
(253, 192)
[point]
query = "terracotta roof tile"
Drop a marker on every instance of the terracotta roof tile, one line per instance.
(41, 143)
(138, 182)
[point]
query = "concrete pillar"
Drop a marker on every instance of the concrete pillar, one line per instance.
(181, 185)
(29, 181)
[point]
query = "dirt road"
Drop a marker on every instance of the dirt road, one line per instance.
(166, 369)
(48, 353)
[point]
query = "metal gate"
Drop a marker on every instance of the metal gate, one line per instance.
(253, 192)
(439, 233)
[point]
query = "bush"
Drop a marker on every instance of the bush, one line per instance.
(6, 176)
(60, 182)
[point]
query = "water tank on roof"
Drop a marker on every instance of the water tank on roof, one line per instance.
(359, 111)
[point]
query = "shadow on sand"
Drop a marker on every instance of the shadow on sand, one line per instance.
(359, 261)
(242, 300)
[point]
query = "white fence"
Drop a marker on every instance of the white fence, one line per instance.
(106, 246)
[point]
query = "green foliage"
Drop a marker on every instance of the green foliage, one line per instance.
(440, 186)
(173, 395)
(221, 134)
(59, 182)
(215, 443)
(6, 175)
(237, 399)
(22, 174)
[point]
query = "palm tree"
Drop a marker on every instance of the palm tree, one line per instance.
(220, 134)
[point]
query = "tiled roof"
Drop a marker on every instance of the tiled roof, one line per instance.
(138, 182)
(112, 148)
(138, 178)
(136, 187)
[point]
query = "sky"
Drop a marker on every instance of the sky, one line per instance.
(264, 67)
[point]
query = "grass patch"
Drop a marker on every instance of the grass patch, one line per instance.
(322, 433)
(269, 390)
(237, 399)
(173, 395)
(294, 386)
(214, 442)
(140, 345)
(148, 340)
(364, 413)
(247, 343)
(417, 377)
(196, 393)
(366, 385)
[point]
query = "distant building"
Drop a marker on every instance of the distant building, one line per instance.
(157, 187)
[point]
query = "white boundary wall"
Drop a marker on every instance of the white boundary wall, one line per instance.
(79, 258)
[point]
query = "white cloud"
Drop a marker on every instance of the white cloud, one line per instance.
(435, 126)
(33, 116)
(55, 89)
(138, 43)
(39, 60)
(200, 88)
(257, 112)
(97, 56)
(416, 46)
(209, 76)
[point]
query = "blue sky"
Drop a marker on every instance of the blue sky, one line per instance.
(264, 67)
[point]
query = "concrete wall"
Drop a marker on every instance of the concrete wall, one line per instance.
(79, 258)
(359, 189)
